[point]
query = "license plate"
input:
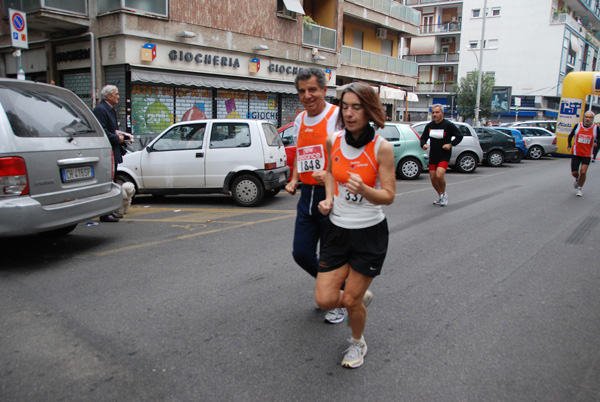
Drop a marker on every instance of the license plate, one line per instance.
(77, 173)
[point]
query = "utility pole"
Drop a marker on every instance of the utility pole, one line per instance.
(481, 44)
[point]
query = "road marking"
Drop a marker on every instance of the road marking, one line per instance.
(281, 214)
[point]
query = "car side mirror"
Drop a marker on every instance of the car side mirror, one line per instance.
(149, 149)
(286, 141)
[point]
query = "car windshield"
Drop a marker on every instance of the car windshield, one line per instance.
(41, 114)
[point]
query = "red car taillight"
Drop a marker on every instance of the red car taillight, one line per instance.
(269, 166)
(13, 177)
(554, 141)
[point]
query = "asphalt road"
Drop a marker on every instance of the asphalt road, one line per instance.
(493, 298)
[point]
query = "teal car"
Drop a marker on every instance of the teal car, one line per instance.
(409, 158)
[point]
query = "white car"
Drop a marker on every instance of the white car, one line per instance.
(467, 154)
(242, 157)
(539, 141)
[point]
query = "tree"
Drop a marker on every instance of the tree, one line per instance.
(466, 94)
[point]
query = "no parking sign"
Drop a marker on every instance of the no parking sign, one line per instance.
(18, 28)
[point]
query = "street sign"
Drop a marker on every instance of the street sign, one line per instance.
(18, 28)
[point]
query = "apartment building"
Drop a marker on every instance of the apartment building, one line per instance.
(529, 46)
(174, 60)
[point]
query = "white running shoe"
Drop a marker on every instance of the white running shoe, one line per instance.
(443, 200)
(438, 201)
(576, 184)
(354, 355)
(335, 316)
(579, 193)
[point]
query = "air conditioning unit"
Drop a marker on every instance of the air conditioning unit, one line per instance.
(447, 40)
(449, 69)
(381, 33)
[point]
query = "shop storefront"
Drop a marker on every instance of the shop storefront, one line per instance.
(167, 84)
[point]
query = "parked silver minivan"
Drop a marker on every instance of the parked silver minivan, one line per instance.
(56, 164)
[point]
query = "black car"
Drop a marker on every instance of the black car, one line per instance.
(497, 147)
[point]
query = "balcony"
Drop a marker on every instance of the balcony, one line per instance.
(318, 36)
(434, 58)
(392, 9)
(69, 6)
(430, 87)
(441, 28)
(378, 61)
(426, 2)
(52, 15)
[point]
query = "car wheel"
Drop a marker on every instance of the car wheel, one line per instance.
(60, 232)
(272, 193)
(247, 191)
(535, 152)
(516, 158)
(408, 169)
(466, 163)
(495, 159)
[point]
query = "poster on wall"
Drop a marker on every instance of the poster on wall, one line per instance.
(501, 100)
(152, 108)
(193, 104)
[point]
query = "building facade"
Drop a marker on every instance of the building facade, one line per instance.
(528, 46)
(176, 60)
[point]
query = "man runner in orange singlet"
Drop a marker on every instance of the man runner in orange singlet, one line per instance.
(587, 136)
(311, 128)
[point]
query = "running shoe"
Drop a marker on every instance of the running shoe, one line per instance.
(576, 184)
(579, 193)
(438, 201)
(367, 298)
(335, 316)
(354, 355)
(443, 200)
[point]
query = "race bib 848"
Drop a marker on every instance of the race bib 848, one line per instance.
(310, 158)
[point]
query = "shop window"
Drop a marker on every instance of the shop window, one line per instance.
(157, 7)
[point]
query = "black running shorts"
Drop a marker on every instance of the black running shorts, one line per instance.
(579, 160)
(364, 249)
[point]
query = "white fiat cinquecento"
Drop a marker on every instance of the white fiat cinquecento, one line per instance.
(242, 157)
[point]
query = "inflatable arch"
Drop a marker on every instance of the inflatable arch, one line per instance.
(576, 87)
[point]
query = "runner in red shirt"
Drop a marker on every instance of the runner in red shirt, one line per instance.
(587, 136)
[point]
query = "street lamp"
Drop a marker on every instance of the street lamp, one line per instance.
(479, 62)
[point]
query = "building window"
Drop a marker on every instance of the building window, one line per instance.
(157, 7)
(473, 44)
(283, 11)
(476, 13)
(496, 12)
(491, 44)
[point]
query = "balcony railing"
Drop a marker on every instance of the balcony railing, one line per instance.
(379, 61)
(316, 35)
(417, 2)
(392, 8)
(441, 28)
(70, 6)
(439, 87)
(434, 58)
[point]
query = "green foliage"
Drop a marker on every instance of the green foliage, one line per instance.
(466, 93)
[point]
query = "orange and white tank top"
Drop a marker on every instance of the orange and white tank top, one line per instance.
(353, 211)
(584, 141)
(311, 154)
